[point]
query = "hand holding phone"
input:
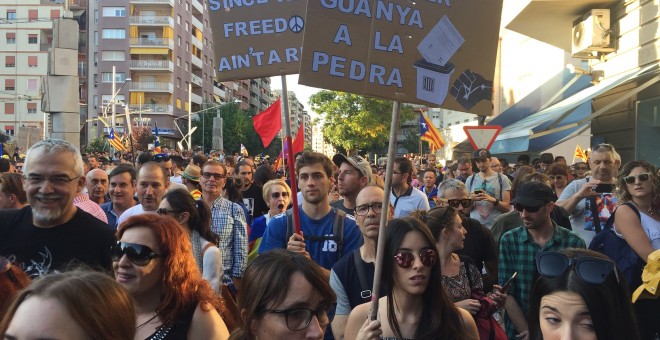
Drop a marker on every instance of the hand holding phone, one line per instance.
(506, 285)
(478, 191)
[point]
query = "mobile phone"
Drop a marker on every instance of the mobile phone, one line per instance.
(506, 285)
(478, 191)
(604, 188)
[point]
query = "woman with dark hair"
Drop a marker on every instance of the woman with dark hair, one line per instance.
(579, 294)
(232, 192)
(415, 307)
(460, 276)
(637, 221)
(559, 177)
(74, 305)
(284, 295)
(521, 172)
(263, 174)
(12, 279)
(172, 300)
(195, 217)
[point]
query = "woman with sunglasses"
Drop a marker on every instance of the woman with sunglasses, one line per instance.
(638, 187)
(172, 300)
(277, 196)
(415, 307)
(195, 218)
(578, 294)
(284, 295)
(460, 276)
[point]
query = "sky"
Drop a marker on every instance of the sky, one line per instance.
(302, 92)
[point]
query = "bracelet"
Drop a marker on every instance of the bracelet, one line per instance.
(497, 202)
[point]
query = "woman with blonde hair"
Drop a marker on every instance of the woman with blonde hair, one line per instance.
(277, 195)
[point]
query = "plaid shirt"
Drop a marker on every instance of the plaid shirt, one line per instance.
(228, 221)
(518, 254)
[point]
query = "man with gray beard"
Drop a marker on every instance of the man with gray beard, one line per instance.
(52, 233)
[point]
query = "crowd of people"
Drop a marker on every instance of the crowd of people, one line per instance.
(192, 246)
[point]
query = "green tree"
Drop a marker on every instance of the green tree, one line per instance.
(97, 145)
(411, 142)
(353, 122)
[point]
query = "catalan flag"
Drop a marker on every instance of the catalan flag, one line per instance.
(429, 133)
(579, 153)
(157, 149)
(115, 141)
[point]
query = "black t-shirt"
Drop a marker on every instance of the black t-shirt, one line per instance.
(347, 274)
(479, 245)
(84, 239)
(254, 201)
(339, 204)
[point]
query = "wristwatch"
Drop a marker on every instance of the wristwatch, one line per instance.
(497, 201)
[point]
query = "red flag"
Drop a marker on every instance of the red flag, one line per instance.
(299, 140)
(268, 123)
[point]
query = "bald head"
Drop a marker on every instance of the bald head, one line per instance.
(369, 222)
(97, 185)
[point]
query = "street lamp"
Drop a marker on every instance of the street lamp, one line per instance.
(115, 93)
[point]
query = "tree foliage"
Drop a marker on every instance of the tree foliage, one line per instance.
(411, 142)
(353, 122)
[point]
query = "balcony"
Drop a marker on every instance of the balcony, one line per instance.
(151, 108)
(219, 92)
(198, 6)
(197, 42)
(196, 61)
(152, 20)
(255, 102)
(152, 42)
(152, 65)
(196, 80)
(197, 24)
(151, 2)
(195, 98)
(152, 86)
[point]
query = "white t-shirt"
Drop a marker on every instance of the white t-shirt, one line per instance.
(133, 211)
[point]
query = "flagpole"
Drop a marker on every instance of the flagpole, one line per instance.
(292, 169)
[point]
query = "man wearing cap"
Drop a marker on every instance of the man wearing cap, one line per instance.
(354, 174)
(490, 191)
(190, 178)
(122, 192)
(518, 248)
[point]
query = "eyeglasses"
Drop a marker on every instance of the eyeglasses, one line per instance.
(556, 177)
(276, 195)
(138, 254)
(160, 157)
(642, 178)
(208, 175)
(164, 211)
(55, 180)
(466, 203)
(362, 210)
(404, 259)
(589, 269)
(521, 207)
(298, 319)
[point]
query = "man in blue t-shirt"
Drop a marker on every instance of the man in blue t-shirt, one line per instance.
(317, 218)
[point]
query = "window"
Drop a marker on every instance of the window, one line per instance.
(114, 33)
(31, 107)
(9, 129)
(106, 77)
(114, 11)
(187, 26)
(9, 108)
(178, 103)
(113, 55)
(178, 20)
(106, 98)
(178, 61)
(32, 39)
(178, 40)
(10, 61)
(188, 47)
(11, 38)
(54, 13)
(32, 85)
(96, 38)
(32, 61)
(10, 84)
(178, 83)
(11, 14)
(187, 66)
(187, 6)
(33, 14)
(96, 16)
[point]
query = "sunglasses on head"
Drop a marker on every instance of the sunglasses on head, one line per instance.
(164, 211)
(642, 178)
(466, 203)
(139, 255)
(589, 269)
(276, 195)
(405, 259)
(521, 207)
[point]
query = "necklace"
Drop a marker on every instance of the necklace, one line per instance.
(146, 322)
(649, 210)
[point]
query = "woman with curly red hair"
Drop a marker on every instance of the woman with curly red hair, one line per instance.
(172, 300)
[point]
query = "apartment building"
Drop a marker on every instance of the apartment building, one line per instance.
(158, 49)
(26, 34)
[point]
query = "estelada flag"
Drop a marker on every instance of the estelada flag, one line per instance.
(268, 123)
(579, 153)
(429, 133)
(114, 141)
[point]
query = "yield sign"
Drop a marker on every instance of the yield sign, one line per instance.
(482, 137)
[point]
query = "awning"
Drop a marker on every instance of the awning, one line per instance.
(149, 50)
(550, 126)
(217, 98)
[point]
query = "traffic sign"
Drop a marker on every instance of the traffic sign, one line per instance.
(482, 137)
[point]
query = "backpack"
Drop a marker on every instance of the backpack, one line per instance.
(337, 230)
(616, 248)
(499, 179)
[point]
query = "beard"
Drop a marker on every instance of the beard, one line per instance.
(47, 216)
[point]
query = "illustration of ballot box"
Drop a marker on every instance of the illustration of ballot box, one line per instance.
(433, 81)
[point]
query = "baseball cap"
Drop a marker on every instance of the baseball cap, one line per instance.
(533, 194)
(356, 161)
(481, 154)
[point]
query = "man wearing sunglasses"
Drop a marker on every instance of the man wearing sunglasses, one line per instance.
(51, 232)
(354, 174)
(518, 248)
(590, 201)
